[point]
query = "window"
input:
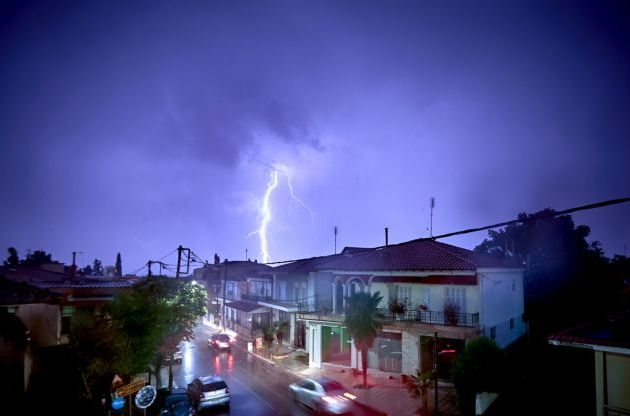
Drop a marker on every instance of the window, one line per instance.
(456, 295)
(67, 312)
(283, 316)
(513, 285)
(231, 290)
(404, 294)
(493, 332)
(426, 296)
(511, 323)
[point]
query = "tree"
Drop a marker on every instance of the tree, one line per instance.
(364, 321)
(481, 367)
(159, 314)
(97, 268)
(87, 270)
(417, 385)
(140, 329)
(564, 281)
(37, 258)
(12, 259)
(118, 265)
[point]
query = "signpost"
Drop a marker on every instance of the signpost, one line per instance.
(131, 388)
(145, 397)
(118, 403)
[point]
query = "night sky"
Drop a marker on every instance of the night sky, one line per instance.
(134, 127)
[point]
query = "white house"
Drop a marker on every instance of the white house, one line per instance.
(446, 290)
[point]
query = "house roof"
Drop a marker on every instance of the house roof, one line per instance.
(244, 306)
(613, 332)
(47, 279)
(236, 270)
(20, 293)
(410, 256)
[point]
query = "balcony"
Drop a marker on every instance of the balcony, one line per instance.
(255, 298)
(434, 318)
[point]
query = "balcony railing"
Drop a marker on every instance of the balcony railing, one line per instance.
(255, 298)
(434, 317)
(318, 305)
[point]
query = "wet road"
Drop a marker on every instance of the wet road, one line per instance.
(256, 387)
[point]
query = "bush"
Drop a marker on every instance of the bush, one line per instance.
(481, 367)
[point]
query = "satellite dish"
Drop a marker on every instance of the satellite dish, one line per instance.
(145, 397)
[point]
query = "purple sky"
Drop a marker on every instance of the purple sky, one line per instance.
(134, 127)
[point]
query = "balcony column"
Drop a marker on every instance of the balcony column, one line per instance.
(334, 296)
(345, 295)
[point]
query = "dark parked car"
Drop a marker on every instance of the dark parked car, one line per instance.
(209, 391)
(177, 404)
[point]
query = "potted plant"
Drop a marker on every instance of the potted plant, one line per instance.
(451, 313)
(421, 308)
(398, 308)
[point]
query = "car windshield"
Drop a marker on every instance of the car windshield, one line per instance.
(222, 337)
(216, 385)
(332, 385)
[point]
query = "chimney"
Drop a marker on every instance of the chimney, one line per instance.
(386, 236)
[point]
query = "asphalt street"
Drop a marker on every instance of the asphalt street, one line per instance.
(256, 388)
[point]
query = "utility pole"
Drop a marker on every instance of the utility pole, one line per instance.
(435, 372)
(225, 275)
(180, 250)
(150, 262)
(432, 204)
(179, 259)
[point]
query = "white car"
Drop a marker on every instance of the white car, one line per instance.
(324, 395)
(220, 341)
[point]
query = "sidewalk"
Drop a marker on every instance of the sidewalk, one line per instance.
(386, 393)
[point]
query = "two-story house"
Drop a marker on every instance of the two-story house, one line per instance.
(446, 290)
(237, 291)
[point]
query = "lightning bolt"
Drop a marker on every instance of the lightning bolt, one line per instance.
(266, 212)
(295, 198)
(266, 215)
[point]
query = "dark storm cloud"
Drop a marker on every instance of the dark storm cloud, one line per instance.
(172, 109)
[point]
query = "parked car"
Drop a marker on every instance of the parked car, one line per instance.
(209, 391)
(167, 402)
(220, 341)
(177, 404)
(324, 395)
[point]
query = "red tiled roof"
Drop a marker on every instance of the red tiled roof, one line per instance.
(414, 255)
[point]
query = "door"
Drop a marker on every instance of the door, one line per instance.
(315, 356)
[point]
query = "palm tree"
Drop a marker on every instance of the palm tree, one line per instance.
(363, 321)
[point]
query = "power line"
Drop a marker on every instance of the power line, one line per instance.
(487, 227)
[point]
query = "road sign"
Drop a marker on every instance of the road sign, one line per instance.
(130, 388)
(118, 403)
(145, 397)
